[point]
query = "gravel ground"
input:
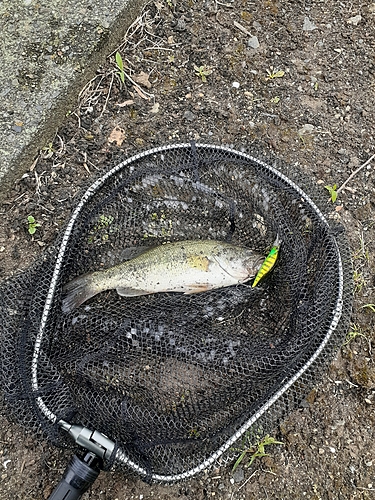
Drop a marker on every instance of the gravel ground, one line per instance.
(295, 79)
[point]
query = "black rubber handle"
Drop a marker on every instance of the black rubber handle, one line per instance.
(79, 475)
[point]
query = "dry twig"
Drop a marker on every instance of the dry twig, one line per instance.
(108, 94)
(355, 173)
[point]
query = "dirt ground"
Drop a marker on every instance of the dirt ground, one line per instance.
(298, 80)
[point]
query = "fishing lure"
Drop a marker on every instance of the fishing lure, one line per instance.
(269, 262)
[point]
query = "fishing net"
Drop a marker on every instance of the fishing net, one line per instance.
(167, 384)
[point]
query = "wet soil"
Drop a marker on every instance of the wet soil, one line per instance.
(295, 79)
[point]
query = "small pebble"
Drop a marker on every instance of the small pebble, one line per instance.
(354, 20)
(253, 42)
(308, 25)
(308, 128)
(155, 108)
(238, 475)
(236, 85)
(188, 115)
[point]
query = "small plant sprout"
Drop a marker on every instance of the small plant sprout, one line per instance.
(275, 99)
(332, 192)
(354, 332)
(359, 281)
(271, 74)
(255, 451)
(32, 224)
(120, 66)
(48, 150)
(202, 72)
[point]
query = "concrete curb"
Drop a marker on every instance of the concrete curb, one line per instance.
(49, 49)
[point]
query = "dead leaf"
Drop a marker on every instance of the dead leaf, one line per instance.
(140, 93)
(143, 79)
(117, 135)
(129, 102)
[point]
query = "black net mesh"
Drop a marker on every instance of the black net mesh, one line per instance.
(175, 380)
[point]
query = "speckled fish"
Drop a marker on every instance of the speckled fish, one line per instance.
(186, 266)
(269, 261)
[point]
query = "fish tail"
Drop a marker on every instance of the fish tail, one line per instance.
(77, 291)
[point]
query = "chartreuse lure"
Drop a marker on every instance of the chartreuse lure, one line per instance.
(269, 262)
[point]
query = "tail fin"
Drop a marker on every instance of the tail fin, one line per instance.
(78, 291)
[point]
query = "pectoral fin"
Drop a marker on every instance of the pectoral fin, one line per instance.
(197, 288)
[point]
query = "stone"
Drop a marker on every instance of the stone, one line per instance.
(238, 475)
(308, 128)
(50, 50)
(189, 115)
(308, 25)
(355, 20)
(253, 42)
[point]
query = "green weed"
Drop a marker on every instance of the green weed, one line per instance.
(255, 451)
(332, 192)
(202, 72)
(32, 224)
(120, 66)
(48, 150)
(274, 74)
(359, 281)
(354, 332)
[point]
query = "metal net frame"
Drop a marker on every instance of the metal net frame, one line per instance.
(167, 385)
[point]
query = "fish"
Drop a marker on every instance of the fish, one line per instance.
(189, 267)
(269, 262)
